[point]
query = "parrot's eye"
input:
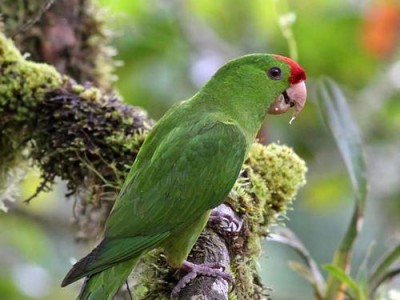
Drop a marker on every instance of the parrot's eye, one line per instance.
(274, 73)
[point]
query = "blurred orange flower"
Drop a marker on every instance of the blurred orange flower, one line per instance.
(381, 28)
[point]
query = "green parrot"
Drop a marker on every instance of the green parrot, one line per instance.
(186, 167)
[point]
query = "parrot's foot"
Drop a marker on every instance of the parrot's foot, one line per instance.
(224, 217)
(209, 269)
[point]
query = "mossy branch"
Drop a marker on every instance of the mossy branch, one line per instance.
(90, 139)
(85, 137)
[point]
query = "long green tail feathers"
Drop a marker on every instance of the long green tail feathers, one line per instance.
(104, 285)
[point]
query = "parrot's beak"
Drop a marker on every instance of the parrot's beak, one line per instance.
(295, 96)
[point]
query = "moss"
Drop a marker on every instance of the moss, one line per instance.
(8, 52)
(77, 88)
(77, 133)
(23, 86)
(269, 181)
(276, 174)
(90, 94)
(90, 140)
(154, 279)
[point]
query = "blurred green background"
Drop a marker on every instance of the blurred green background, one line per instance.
(168, 49)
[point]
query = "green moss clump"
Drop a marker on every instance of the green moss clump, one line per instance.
(8, 52)
(23, 85)
(269, 181)
(90, 94)
(276, 173)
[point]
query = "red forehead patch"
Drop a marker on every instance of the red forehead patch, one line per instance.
(297, 73)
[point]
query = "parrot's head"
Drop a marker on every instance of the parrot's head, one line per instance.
(275, 80)
(296, 94)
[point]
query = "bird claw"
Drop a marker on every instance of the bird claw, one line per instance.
(208, 269)
(226, 221)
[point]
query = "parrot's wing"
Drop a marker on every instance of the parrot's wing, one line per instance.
(110, 252)
(178, 176)
(190, 169)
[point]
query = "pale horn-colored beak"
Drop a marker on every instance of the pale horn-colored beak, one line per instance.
(295, 96)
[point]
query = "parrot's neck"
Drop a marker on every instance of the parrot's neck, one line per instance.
(244, 99)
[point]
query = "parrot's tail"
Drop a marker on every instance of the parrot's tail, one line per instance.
(105, 284)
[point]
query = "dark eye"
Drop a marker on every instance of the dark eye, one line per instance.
(274, 73)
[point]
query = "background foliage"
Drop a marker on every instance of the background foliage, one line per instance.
(168, 49)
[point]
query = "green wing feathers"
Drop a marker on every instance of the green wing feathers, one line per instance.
(189, 172)
(109, 253)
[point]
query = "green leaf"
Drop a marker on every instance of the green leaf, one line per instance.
(339, 120)
(381, 273)
(346, 279)
(336, 113)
